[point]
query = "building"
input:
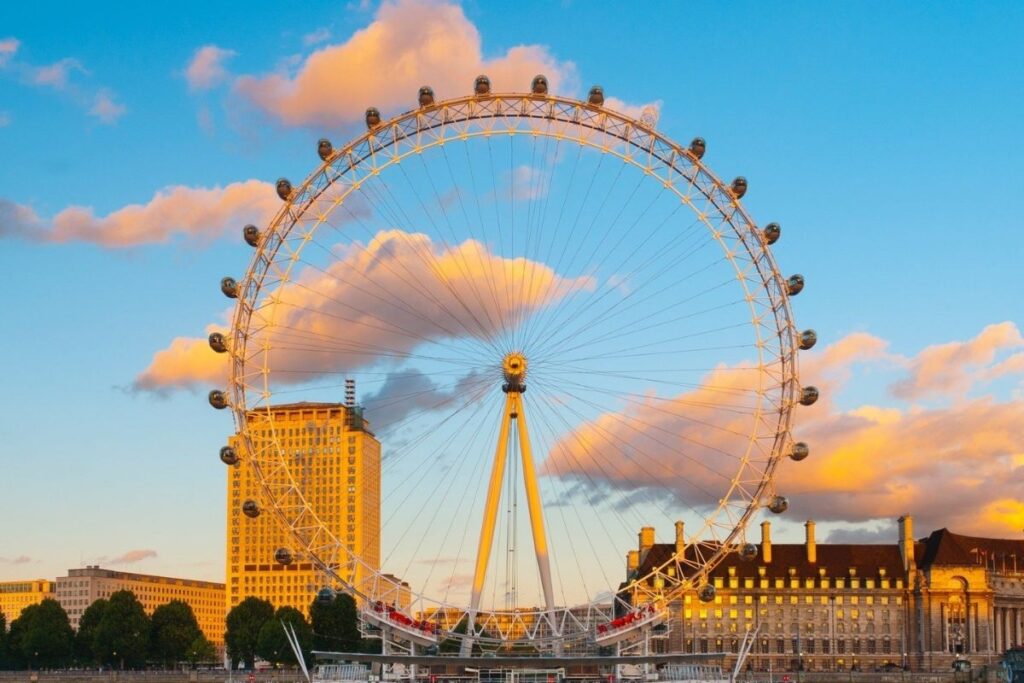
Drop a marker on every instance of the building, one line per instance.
(81, 587)
(17, 595)
(335, 460)
(823, 606)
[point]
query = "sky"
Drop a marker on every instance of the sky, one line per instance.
(136, 141)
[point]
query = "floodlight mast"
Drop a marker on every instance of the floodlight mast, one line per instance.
(514, 372)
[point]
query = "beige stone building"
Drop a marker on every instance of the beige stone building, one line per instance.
(17, 595)
(825, 606)
(336, 462)
(81, 587)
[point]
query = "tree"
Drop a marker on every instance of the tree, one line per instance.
(85, 639)
(336, 625)
(273, 644)
(3, 643)
(243, 629)
(122, 635)
(201, 650)
(43, 635)
(173, 629)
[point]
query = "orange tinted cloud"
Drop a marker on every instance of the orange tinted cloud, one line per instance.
(960, 465)
(179, 211)
(410, 43)
(376, 300)
(952, 368)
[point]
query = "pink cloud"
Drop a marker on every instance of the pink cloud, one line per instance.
(20, 559)
(8, 48)
(410, 43)
(56, 75)
(105, 108)
(206, 69)
(130, 557)
(196, 213)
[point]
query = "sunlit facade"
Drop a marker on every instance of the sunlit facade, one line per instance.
(815, 606)
(81, 587)
(15, 596)
(335, 460)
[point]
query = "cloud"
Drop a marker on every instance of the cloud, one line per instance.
(864, 534)
(5, 119)
(130, 557)
(407, 392)
(378, 300)
(410, 43)
(105, 108)
(8, 48)
(20, 559)
(197, 213)
(959, 465)
(56, 75)
(945, 369)
(206, 69)
(648, 112)
(320, 35)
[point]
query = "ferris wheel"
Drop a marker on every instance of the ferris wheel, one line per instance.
(565, 329)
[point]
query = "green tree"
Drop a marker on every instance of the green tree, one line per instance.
(3, 643)
(243, 629)
(201, 650)
(43, 635)
(336, 625)
(173, 629)
(272, 644)
(85, 639)
(122, 635)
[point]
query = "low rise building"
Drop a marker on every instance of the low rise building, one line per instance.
(15, 596)
(81, 587)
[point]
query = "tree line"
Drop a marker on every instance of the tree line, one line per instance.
(113, 632)
(117, 633)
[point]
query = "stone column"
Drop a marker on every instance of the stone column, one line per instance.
(997, 629)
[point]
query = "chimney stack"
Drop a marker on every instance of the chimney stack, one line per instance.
(907, 542)
(646, 537)
(680, 537)
(632, 562)
(766, 541)
(812, 547)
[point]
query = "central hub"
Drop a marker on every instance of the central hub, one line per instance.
(514, 368)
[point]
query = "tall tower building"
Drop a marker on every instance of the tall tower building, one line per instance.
(335, 460)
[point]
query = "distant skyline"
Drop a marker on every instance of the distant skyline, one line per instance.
(885, 140)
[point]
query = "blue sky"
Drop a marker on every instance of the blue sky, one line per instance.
(885, 139)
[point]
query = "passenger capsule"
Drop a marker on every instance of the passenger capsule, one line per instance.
(218, 399)
(325, 595)
(251, 235)
(324, 149)
(539, 86)
(217, 342)
(795, 284)
(808, 396)
(739, 187)
(283, 556)
(284, 189)
(596, 96)
(778, 504)
(426, 96)
(808, 338)
(772, 233)
(482, 85)
(799, 451)
(251, 509)
(698, 147)
(748, 552)
(706, 593)
(229, 287)
(228, 456)
(372, 118)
